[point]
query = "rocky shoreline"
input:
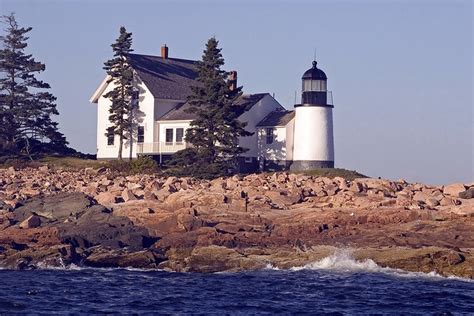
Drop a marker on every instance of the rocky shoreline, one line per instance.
(93, 217)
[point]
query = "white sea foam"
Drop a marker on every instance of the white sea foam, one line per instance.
(270, 266)
(343, 261)
(142, 270)
(44, 265)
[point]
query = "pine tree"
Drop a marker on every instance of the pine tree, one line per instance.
(215, 132)
(121, 75)
(25, 108)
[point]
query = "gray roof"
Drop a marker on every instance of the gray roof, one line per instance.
(169, 78)
(277, 118)
(245, 102)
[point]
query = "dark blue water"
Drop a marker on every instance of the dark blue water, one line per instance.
(260, 292)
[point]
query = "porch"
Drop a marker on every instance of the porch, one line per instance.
(158, 148)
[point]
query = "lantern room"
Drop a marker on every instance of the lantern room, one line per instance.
(314, 79)
(314, 88)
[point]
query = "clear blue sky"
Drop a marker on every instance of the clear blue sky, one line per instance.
(400, 71)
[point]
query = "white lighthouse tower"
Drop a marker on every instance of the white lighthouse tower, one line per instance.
(313, 133)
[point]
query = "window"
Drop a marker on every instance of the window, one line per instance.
(110, 136)
(179, 135)
(169, 136)
(314, 85)
(248, 159)
(269, 133)
(141, 134)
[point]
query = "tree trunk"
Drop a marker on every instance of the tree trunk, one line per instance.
(130, 135)
(28, 148)
(120, 146)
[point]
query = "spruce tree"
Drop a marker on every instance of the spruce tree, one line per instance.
(121, 76)
(25, 107)
(215, 132)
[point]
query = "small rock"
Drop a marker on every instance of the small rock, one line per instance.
(105, 198)
(89, 170)
(432, 202)
(134, 186)
(356, 187)
(454, 189)
(101, 170)
(128, 195)
(11, 171)
(43, 168)
(331, 189)
(31, 222)
(468, 194)
(420, 197)
(170, 181)
(150, 196)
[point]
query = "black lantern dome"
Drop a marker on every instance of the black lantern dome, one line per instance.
(314, 73)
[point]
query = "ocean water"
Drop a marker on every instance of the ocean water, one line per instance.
(336, 285)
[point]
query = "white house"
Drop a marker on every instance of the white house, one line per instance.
(163, 85)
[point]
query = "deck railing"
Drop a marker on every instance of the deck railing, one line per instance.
(160, 147)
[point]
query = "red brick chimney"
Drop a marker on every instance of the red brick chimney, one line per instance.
(232, 80)
(164, 52)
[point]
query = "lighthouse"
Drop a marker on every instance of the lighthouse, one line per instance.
(313, 131)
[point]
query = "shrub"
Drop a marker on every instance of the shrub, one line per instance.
(189, 163)
(183, 158)
(118, 166)
(143, 164)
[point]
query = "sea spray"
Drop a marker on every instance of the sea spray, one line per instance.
(342, 260)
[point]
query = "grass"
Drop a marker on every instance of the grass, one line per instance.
(73, 162)
(332, 173)
(136, 166)
(20, 162)
(139, 166)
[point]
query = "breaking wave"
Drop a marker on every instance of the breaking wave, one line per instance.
(45, 266)
(342, 261)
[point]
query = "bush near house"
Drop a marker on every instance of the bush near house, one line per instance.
(142, 164)
(190, 163)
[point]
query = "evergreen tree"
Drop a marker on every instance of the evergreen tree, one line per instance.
(121, 75)
(25, 108)
(215, 132)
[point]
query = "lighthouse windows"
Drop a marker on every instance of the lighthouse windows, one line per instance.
(314, 85)
(269, 135)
